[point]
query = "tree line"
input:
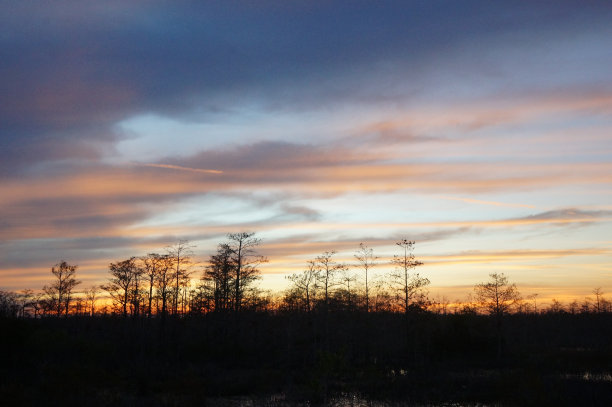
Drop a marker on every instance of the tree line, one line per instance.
(161, 284)
(175, 338)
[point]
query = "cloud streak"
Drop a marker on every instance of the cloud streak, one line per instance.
(481, 202)
(512, 256)
(179, 168)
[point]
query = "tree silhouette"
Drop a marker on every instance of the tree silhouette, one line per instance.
(245, 262)
(305, 284)
(59, 293)
(346, 294)
(218, 279)
(181, 259)
(598, 298)
(497, 296)
(151, 265)
(164, 281)
(409, 286)
(327, 268)
(91, 295)
(365, 257)
(120, 286)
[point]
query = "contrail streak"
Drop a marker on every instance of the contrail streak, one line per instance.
(178, 167)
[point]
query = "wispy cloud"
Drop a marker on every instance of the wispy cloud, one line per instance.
(421, 231)
(473, 257)
(480, 202)
(178, 167)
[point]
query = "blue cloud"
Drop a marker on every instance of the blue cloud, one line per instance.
(70, 72)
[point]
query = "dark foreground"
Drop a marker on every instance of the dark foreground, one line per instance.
(299, 359)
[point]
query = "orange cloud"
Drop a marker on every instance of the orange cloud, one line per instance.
(109, 182)
(509, 256)
(478, 115)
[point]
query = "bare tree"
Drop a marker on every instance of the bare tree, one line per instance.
(598, 297)
(305, 284)
(120, 286)
(136, 291)
(365, 257)
(78, 306)
(346, 294)
(408, 285)
(37, 303)
(181, 259)
(91, 295)
(245, 261)
(327, 268)
(164, 281)
(59, 293)
(218, 279)
(153, 263)
(497, 296)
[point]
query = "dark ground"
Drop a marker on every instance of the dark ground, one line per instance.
(300, 359)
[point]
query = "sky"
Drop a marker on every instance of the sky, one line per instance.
(481, 130)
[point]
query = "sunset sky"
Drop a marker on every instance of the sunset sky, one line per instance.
(482, 130)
